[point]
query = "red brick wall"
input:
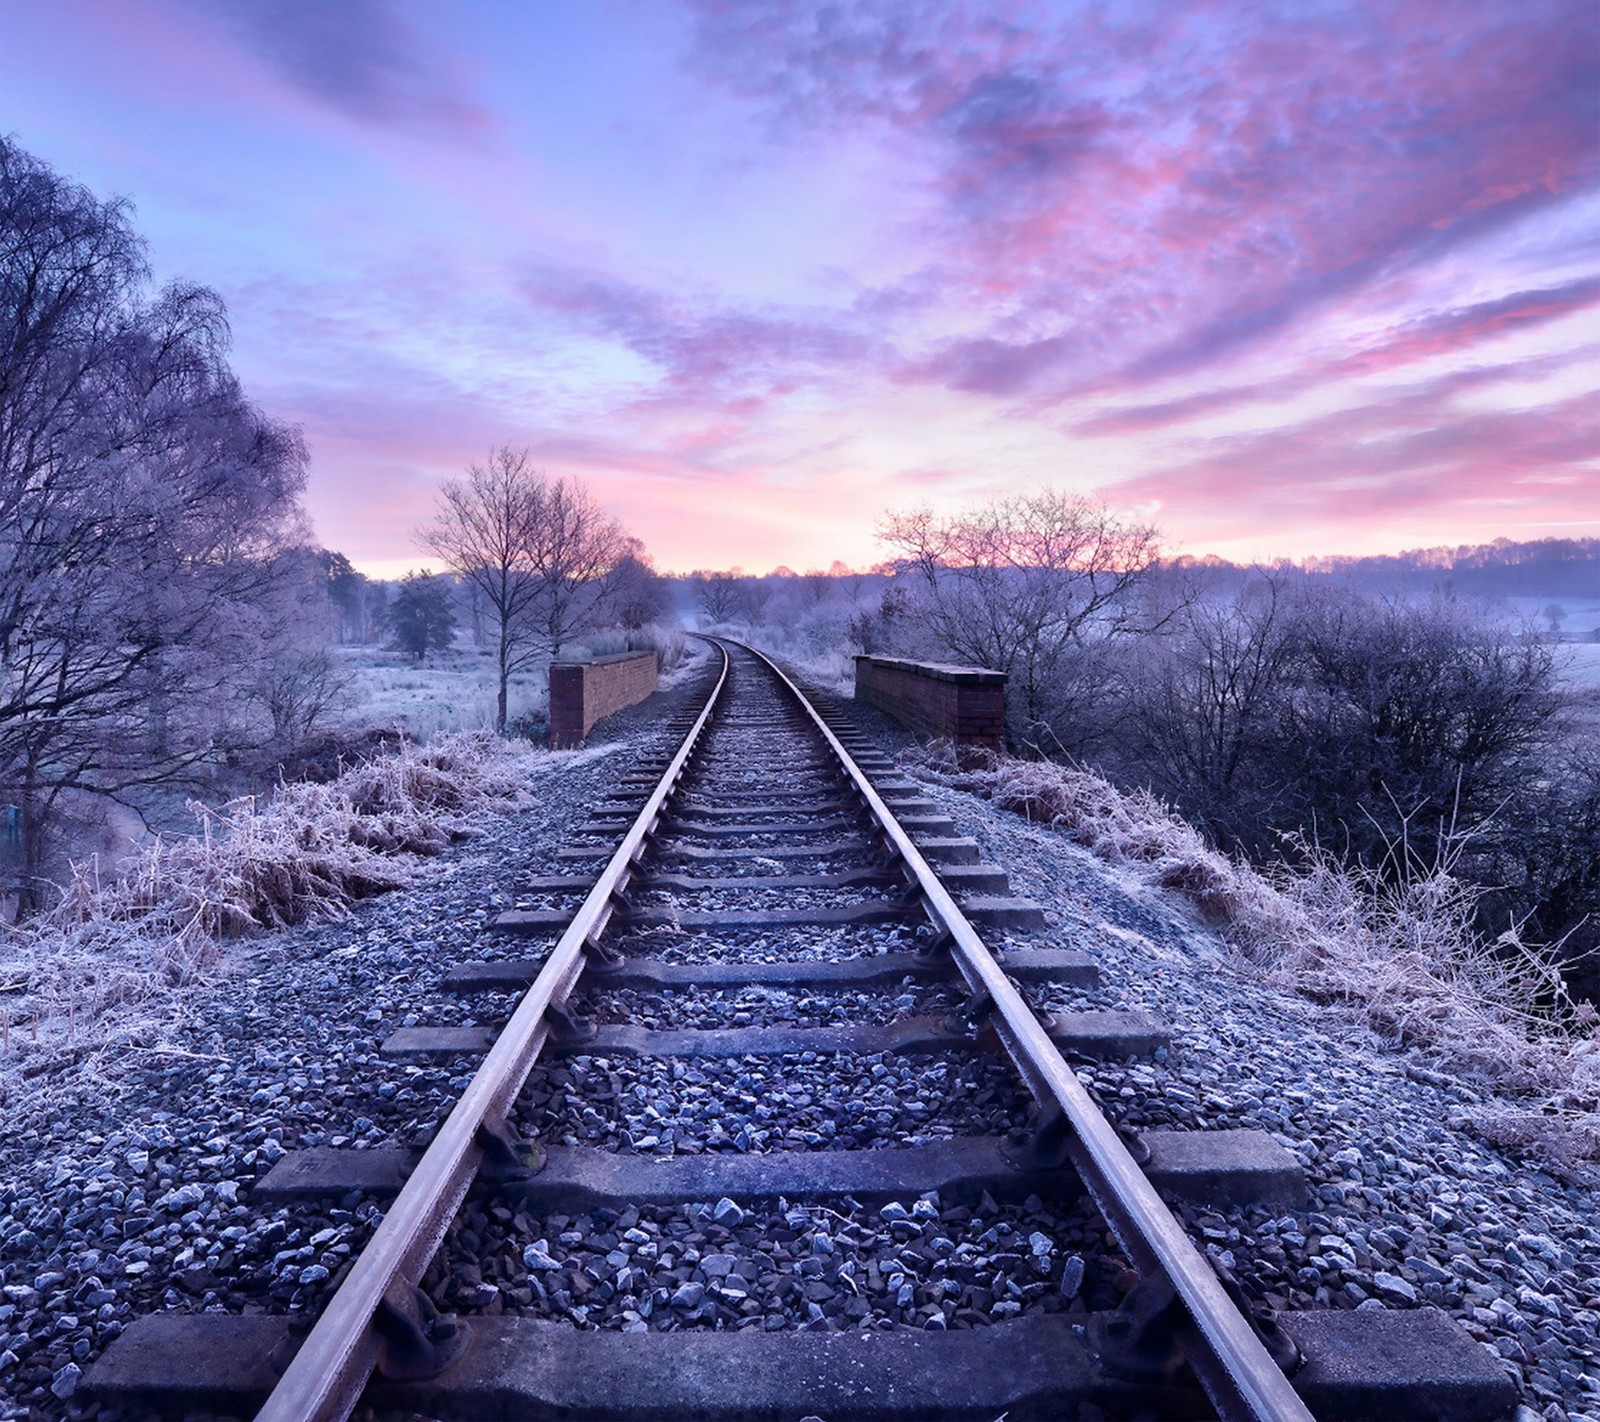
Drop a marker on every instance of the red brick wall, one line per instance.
(966, 704)
(582, 693)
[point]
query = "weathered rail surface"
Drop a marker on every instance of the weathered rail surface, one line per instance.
(764, 813)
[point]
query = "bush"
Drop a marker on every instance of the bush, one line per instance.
(668, 643)
(1321, 711)
(1289, 713)
(327, 755)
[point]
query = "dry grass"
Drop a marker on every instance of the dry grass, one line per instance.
(162, 921)
(1403, 955)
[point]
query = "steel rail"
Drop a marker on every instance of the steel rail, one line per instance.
(1239, 1374)
(323, 1382)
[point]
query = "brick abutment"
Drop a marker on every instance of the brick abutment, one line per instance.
(964, 704)
(582, 693)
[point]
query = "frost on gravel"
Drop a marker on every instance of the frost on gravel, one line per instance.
(1396, 1144)
(801, 1101)
(921, 1264)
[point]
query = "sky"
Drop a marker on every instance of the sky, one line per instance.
(1281, 278)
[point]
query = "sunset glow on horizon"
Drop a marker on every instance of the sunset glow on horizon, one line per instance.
(1284, 279)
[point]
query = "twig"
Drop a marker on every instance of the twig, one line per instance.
(167, 1051)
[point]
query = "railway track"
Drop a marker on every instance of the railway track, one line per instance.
(772, 1133)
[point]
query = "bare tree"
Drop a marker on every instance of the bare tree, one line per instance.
(298, 692)
(1021, 583)
(1368, 723)
(1206, 699)
(577, 550)
(639, 594)
(144, 503)
(539, 551)
(716, 593)
(1409, 720)
(486, 531)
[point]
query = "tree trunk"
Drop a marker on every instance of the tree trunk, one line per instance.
(505, 676)
(31, 869)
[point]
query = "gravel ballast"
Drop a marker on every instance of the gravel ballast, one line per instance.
(127, 1182)
(1409, 1207)
(722, 1264)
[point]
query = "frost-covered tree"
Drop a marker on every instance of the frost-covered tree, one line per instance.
(540, 552)
(578, 553)
(144, 503)
(1022, 584)
(716, 593)
(639, 594)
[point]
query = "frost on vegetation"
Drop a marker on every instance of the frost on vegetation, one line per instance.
(828, 668)
(157, 924)
(1402, 951)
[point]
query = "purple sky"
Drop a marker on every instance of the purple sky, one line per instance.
(1284, 278)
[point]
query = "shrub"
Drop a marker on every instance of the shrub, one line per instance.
(668, 643)
(328, 754)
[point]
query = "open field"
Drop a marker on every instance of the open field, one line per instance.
(450, 691)
(1581, 664)
(1579, 620)
(456, 690)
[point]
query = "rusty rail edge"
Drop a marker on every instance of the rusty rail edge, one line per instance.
(324, 1381)
(1234, 1367)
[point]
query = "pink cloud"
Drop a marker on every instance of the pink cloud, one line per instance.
(1469, 326)
(1160, 188)
(991, 367)
(1162, 413)
(1095, 203)
(1405, 458)
(704, 352)
(1465, 329)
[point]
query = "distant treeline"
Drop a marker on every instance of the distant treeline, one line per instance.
(1544, 567)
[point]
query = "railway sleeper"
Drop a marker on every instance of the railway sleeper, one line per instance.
(1036, 1366)
(677, 823)
(937, 849)
(1021, 915)
(745, 795)
(1207, 1169)
(973, 878)
(1358, 1366)
(1062, 966)
(982, 878)
(1092, 1034)
(810, 805)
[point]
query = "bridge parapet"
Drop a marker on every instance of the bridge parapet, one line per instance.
(582, 693)
(964, 704)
